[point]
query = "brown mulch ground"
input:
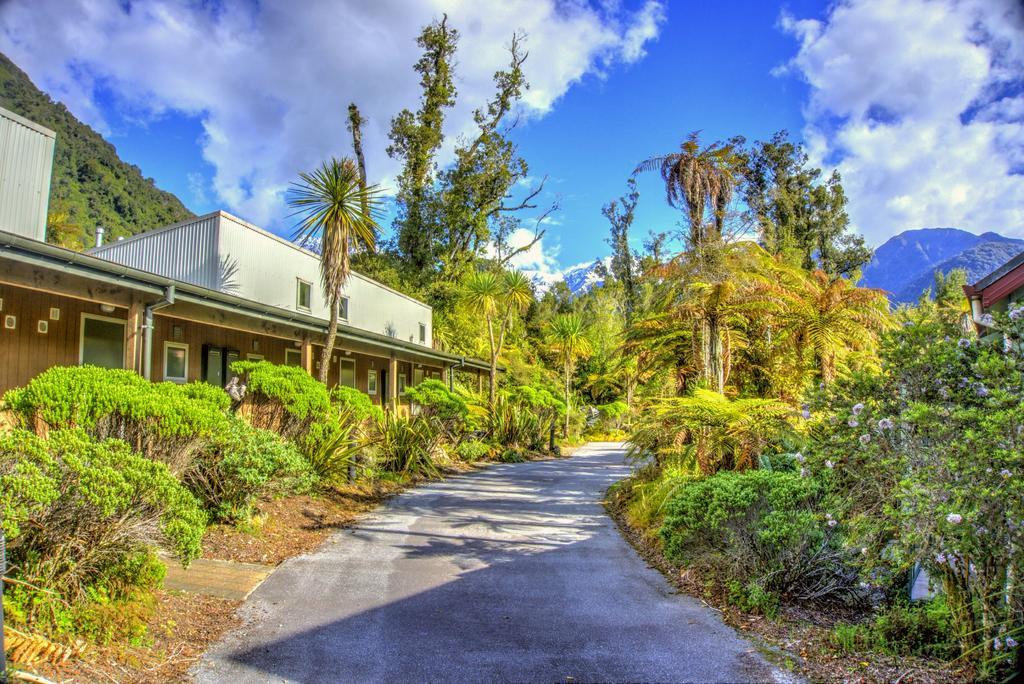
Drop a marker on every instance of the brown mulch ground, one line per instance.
(798, 640)
(180, 629)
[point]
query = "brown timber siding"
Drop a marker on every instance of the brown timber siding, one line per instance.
(25, 352)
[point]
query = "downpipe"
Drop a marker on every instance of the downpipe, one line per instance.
(147, 330)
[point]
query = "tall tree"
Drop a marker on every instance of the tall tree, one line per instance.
(355, 127)
(416, 138)
(796, 213)
(498, 298)
(567, 335)
(620, 214)
(336, 208)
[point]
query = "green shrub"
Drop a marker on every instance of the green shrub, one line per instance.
(758, 527)
(283, 399)
(439, 404)
(357, 405)
(473, 450)
(74, 508)
(902, 629)
(331, 456)
(164, 421)
(407, 445)
(242, 463)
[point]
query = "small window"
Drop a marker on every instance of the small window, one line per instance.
(401, 383)
(371, 381)
(303, 295)
(101, 342)
(347, 373)
(292, 357)
(175, 362)
(343, 309)
(423, 333)
(417, 376)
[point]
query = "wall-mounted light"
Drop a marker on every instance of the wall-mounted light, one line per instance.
(43, 327)
(10, 322)
(255, 345)
(107, 308)
(348, 353)
(54, 313)
(297, 343)
(176, 332)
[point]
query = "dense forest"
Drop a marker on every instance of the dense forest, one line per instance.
(91, 186)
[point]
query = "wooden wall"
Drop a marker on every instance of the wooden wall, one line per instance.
(25, 352)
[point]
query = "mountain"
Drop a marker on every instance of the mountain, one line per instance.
(584, 278)
(91, 185)
(905, 265)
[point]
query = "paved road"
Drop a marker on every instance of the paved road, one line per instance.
(513, 573)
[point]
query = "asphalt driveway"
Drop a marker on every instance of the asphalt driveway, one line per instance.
(513, 573)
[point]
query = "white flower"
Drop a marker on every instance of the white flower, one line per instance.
(857, 408)
(940, 558)
(997, 644)
(987, 320)
(863, 550)
(829, 465)
(1016, 313)
(885, 424)
(1010, 641)
(954, 518)
(1005, 473)
(982, 390)
(806, 414)
(852, 422)
(865, 438)
(963, 343)
(832, 523)
(798, 457)
(803, 472)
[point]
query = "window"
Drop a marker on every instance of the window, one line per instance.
(417, 376)
(347, 373)
(423, 333)
(401, 383)
(292, 357)
(101, 342)
(343, 309)
(175, 362)
(303, 295)
(371, 381)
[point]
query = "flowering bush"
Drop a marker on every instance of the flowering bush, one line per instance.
(928, 463)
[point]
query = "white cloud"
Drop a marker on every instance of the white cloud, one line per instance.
(271, 81)
(539, 262)
(919, 105)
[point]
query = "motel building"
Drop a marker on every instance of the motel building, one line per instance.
(180, 303)
(996, 293)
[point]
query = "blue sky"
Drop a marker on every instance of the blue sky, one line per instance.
(919, 103)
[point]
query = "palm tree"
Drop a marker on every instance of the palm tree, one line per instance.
(567, 335)
(698, 180)
(831, 316)
(498, 298)
(715, 432)
(335, 207)
(701, 181)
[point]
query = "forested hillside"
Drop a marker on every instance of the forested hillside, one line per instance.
(91, 185)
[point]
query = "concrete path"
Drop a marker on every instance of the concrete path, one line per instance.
(223, 579)
(513, 573)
